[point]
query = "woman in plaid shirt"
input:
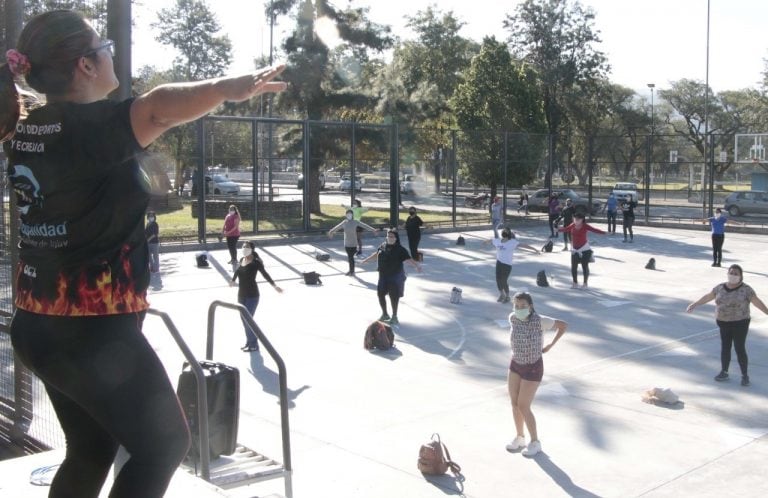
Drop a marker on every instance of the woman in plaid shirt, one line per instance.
(527, 367)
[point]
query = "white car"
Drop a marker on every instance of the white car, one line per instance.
(346, 183)
(220, 184)
(623, 190)
(412, 184)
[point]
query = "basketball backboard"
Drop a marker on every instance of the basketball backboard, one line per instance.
(751, 148)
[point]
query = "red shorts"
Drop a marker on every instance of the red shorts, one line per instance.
(532, 371)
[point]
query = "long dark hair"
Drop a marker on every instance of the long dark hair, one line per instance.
(52, 43)
(525, 297)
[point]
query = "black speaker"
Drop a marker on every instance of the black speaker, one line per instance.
(222, 384)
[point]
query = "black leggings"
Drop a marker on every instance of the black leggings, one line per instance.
(717, 247)
(108, 388)
(394, 298)
(734, 333)
(232, 246)
(584, 260)
(351, 251)
(626, 224)
(413, 246)
(611, 221)
(502, 276)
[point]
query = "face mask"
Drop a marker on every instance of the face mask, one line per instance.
(151, 219)
(247, 251)
(349, 217)
(231, 211)
(522, 313)
(717, 216)
(734, 279)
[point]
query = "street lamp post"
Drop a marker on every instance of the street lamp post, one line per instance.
(649, 162)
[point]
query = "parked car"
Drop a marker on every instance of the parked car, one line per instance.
(747, 202)
(346, 183)
(623, 190)
(412, 184)
(300, 181)
(220, 184)
(539, 201)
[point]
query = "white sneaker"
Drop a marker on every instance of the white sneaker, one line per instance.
(517, 444)
(533, 449)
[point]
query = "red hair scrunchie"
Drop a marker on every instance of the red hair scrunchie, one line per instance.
(18, 63)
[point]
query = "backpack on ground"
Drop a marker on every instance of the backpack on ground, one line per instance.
(651, 264)
(541, 279)
(322, 256)
(456, 295)
(378, 335)
(548, 246)
(460, 241)
(312, 278)
(434, 459)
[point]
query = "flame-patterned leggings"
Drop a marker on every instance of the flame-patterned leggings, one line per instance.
(108, 389)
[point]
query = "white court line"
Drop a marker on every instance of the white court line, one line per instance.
(681, 340)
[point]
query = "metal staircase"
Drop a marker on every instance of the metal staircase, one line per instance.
(244, 466)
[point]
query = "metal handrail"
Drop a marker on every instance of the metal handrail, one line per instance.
(202, 394)
(282, 379)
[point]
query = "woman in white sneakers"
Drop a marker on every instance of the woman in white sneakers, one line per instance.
(526, 368)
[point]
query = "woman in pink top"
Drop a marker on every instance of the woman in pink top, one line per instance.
(580, 250)
(231, 231)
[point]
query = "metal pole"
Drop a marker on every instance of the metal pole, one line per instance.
(649, 162)
(707, 213)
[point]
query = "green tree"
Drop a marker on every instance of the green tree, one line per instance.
(558, 38)
(193, 30)
(95, 10)
(500, 95)
(731, 112)
(323, 42)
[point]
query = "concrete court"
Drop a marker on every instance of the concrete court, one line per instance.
(358, 418)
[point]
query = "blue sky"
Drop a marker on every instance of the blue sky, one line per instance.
(650, 41)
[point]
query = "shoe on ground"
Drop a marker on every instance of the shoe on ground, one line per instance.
(394, 320)
(249, 349)
(350, 274)
(722, 376)
(565, 248)
(533, 449)
(624, 240)
(507, 299)
(584, 286)
(574, 285)
(384, 317)
(745, 380)
(517, 444)
(714, 264)
(501, 298)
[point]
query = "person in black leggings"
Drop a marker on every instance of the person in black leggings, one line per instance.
(732, 298)
(628, 218)
(83, 261)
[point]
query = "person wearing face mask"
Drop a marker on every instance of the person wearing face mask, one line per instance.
(526, 368)
(231, 231)
(390, 256)
(717, 223)
(349, 225)
(580, 250)
(413, 226)
(628, 218)
(152, 233)
(248, 289)
(505, 250)
(732, 299)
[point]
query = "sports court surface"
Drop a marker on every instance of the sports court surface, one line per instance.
(358, 418)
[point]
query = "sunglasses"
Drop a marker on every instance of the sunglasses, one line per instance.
(108, 44)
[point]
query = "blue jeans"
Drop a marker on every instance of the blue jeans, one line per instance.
(154, 257)
(250, 304)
